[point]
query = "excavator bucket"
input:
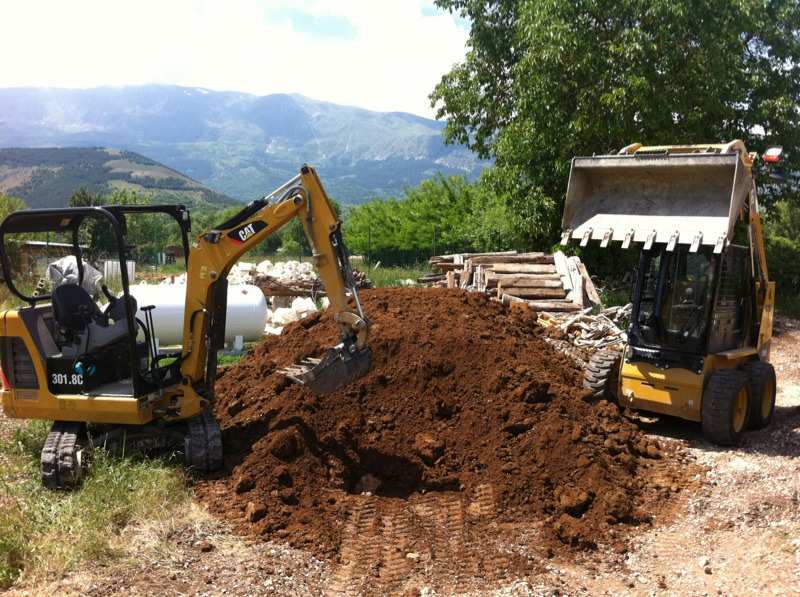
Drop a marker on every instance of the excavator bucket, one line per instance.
(337, 368)
(692, 197)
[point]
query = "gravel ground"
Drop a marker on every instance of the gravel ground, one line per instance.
(737, 533)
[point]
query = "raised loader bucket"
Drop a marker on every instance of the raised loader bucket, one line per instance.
(662, 197)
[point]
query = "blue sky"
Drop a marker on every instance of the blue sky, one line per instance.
(380, 54)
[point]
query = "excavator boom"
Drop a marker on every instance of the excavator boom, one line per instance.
(216, 251)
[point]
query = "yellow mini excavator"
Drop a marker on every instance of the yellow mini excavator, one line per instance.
(97, 372)
(701, 324)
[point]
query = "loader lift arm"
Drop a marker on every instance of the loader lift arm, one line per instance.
(214, 253)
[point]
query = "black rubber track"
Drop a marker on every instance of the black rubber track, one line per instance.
(59, 457)
(203, 444)
(717, 410)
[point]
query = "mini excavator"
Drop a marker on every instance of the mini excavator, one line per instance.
(97, 372)
(699, 337)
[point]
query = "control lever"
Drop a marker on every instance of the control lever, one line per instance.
(151, 332)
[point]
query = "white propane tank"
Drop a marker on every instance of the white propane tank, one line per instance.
(246, 316)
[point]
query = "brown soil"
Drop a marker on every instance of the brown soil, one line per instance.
(467, 418)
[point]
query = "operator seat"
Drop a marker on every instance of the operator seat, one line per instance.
(74, 309)
(87, 328)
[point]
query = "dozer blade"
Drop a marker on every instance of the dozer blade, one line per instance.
(337, 368)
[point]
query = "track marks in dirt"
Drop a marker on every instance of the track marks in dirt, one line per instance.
(388, 543)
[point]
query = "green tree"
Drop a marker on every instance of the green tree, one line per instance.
(9, 204)
(783, 248)
(544, 80)
(146, 234)
(83, 198)
(440, 215)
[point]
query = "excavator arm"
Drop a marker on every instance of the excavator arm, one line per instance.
(214, 253)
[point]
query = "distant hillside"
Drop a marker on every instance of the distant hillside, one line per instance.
(239, 144)
(47, 177)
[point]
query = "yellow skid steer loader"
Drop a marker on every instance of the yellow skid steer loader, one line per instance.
(699, 337)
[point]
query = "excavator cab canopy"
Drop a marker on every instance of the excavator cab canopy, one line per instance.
(675, 195)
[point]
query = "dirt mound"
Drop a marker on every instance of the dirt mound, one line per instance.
(464, 404)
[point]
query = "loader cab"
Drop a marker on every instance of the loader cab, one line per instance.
(75, 335)
(689, 304)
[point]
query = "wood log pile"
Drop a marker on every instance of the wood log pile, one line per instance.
(275, 287)
(547, 283)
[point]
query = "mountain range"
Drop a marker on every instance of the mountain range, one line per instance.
(238, 144)
(47, 177)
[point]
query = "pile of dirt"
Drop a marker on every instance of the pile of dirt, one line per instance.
(464, 399)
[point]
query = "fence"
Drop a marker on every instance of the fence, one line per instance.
(111, 270)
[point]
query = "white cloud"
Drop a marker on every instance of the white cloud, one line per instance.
(391, 62)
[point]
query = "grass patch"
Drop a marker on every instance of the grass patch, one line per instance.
(224, 360)
(383, 277)
(47, 533)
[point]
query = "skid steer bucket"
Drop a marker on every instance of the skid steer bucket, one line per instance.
(662, 197)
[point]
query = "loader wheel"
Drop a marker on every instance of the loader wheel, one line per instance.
(601, 375)
(203, 443)
(65, 456)
(761, 379)
(725, 407)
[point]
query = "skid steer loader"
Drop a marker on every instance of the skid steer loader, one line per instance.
(699, 337)
(97, 372)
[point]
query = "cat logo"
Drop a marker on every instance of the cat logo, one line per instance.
(242, 233)
(246, 232)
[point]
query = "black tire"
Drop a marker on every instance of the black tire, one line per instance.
(203, 443)
(761, 379)
(601, 375)
(65, 456)
(725, 408)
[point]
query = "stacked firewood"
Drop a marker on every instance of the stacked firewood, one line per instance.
(546, 282)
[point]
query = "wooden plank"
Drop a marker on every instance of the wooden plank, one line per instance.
(447, 267)
(561, 268)
(577, 294)
(588, 285)
(523, 268)
(523, 281)
(536, 293)
(521, 258)
(468, 255)
(478, 279)
(553, 305)
(431, 278)
(451, 279)
(466, 277)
